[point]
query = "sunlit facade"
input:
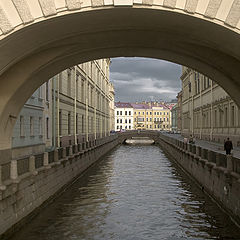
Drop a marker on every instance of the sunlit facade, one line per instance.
(207, 110)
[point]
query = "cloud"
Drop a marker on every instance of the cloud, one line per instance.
(139, 79)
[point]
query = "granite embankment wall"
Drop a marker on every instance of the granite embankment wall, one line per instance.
(216, 173)
(28, 184)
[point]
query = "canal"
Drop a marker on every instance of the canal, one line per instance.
(134, 193)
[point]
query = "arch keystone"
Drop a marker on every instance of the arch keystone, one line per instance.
(234, 14)
(73, 4)
(5, 24)
(170, 3)
(23, 10)
(212, 8)
(48, 7)
(191, 6)
(123, 2)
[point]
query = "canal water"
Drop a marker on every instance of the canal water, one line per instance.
(134, 193)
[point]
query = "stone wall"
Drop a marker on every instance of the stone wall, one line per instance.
(217, 174)
(28, 184)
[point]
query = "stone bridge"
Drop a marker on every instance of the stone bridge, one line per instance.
(40, 38)
(123, 136)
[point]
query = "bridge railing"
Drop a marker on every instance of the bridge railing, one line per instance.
(31, 164)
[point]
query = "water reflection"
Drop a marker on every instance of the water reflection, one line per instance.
(134, 193)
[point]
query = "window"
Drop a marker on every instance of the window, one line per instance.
(82, 91)
(129, 121)
(117, 112)
(129, 127)
(47, 128)
(125, 120)
(139, 113)
(147, 119)
(215, 118)
(31, 127)
(117, 127)
(82, 123)
(189, 86)
(21, 126)
(160, 113)
(47, 92)
(69, 79)
(154, 113)
(117, 120)
(120, 112)
(77, 123)
(147, 113)
(157, 113)
(120, 120)
(60, 123)
(226, 116)
(69, 123)
(129, 113)
(150, 113)
(40, 126)
(125, 113)
(232, 116)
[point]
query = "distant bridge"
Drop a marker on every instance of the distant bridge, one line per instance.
(123, 136)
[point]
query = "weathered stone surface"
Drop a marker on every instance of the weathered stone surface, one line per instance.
(97, 3)
(191, 6)
(123, 2)
(23, 10)
(5, 24)
(234, 14)
(73, 4)
(48, 7)
(169, 3)
(147, 2)
(212, 8)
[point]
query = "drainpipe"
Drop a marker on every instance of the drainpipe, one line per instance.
(86, 119)
(54, 114)
(211, 122)
(58, 120)
(75, 106)
(201, 111)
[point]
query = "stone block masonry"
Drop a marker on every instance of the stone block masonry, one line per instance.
(23, 193)
(217, 174)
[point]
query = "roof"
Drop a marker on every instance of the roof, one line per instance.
(123, 105)
(140, 106)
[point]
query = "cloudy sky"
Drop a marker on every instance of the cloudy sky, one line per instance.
(138, 79)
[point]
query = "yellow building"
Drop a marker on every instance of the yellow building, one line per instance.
(148, 117)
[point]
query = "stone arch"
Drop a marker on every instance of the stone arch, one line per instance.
(44, 37)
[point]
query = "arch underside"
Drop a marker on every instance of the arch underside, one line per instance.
(31, 56)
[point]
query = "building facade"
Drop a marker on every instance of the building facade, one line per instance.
(123, 116)
(112, 107)
(32, 132)
(207, 110)
(146, 116)
(82, 103)
(179, 111)
(74, 106)
(174, 115)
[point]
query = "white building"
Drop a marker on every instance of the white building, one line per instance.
(123, 116)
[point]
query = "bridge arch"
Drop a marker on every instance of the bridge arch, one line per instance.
(40, 38)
